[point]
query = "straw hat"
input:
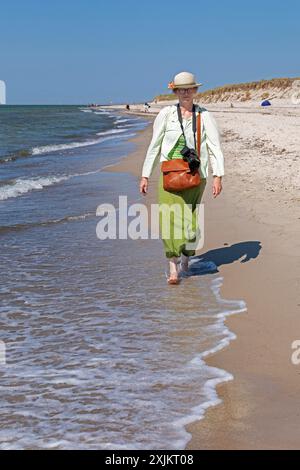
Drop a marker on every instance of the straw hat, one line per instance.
(184, 80)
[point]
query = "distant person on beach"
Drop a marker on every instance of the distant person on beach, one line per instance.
(127, 107)
(175, 129)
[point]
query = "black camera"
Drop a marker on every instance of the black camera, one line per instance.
(190, 156)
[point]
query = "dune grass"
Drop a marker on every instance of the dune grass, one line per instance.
(242, 90)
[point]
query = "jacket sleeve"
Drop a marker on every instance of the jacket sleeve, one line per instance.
(213, 144)
(154, 148)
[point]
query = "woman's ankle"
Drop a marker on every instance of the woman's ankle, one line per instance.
(173, 265)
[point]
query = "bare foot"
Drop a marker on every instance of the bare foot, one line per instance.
(173, 278)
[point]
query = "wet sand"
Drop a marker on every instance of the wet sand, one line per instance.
(252, 230)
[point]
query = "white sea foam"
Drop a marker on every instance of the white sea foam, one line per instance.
(103, 112)
(138, 367)
(111, 131)
(60, 147)
(198, 412)
(99, 111)
(21, 186)
(122, 120)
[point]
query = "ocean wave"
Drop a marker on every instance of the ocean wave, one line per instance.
(22, 186)
(68, 218)
(18, 154)
(122, 120)
(72, 145)
(111, 131)
(44, 149)
(125, 126)
(9, 158)
(57, 147)
(103, 112)
(17, 187)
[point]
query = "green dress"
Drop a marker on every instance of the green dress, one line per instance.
(178, 226)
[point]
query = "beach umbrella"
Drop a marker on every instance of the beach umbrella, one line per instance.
(266, 103)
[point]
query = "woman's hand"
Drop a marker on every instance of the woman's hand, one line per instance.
(217, 185)
(144, 185)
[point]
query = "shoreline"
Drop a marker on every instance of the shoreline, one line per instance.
(259, 405)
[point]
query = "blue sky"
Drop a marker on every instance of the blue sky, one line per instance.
(62, 52)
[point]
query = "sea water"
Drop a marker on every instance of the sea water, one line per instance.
(100, 353)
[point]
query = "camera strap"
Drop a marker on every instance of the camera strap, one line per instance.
(181, 124)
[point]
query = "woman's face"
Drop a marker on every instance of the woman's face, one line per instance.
(186, 95)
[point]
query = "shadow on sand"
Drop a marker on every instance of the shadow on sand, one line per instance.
(209, 262)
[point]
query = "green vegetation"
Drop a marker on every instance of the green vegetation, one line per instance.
(243, 90)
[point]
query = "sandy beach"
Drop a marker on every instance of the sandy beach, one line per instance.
(252, 234)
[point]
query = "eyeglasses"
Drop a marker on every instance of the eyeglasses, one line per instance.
(185, 90)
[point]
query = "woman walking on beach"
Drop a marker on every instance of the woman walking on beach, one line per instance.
(174, 131)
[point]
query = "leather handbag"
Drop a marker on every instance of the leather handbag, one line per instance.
(177, 175)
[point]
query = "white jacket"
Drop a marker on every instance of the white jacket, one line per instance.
(166, 132)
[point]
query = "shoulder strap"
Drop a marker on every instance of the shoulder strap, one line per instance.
(194, 121)
(198, 132)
